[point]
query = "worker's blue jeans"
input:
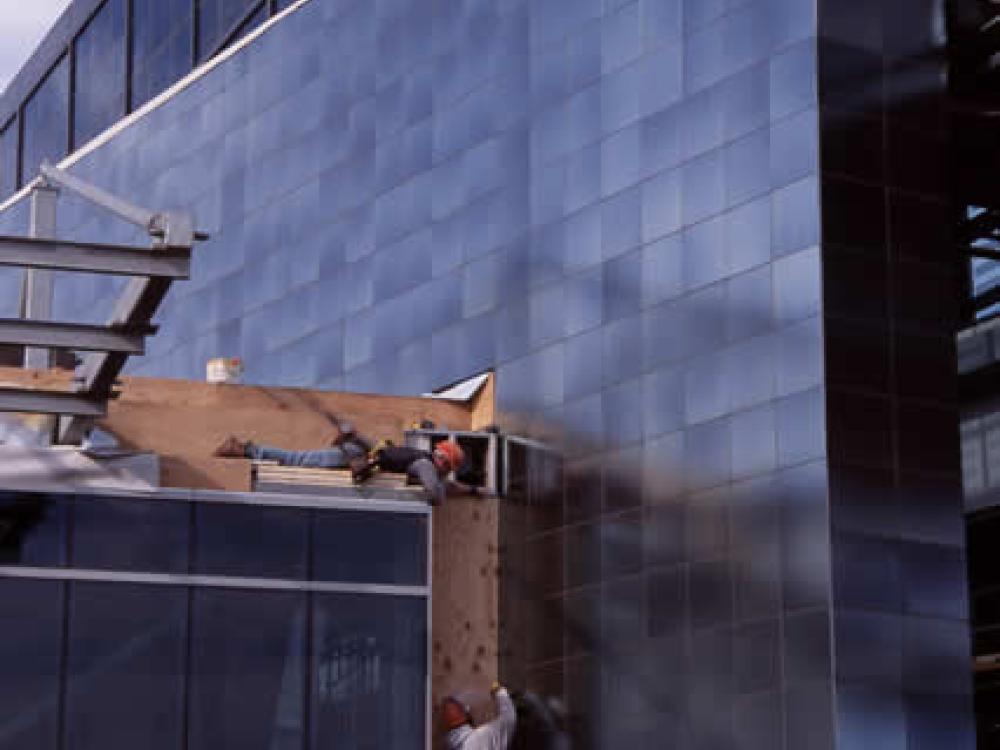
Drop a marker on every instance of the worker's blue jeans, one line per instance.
(323, 458)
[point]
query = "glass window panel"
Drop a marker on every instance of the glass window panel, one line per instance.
(32, 529)
(360, 547)
(250, 541)
(46, 121)
(31, 617)
(369, 671)
(125, 666)
(161, 48)
(147, 535)
(218, 19)
(100, 72)
(8, 159)
(246, 682)
(256, 19)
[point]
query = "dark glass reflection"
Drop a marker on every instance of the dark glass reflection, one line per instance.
(32, 530)
(46, 121)
(161, 47)
(125, 666)
(252, 541)
(99, 88)
(252, 22)
(31, 614)
(369, 672)
(8, 159)
(247, 656)
(367, 548)
(218, 20)
(146, 535)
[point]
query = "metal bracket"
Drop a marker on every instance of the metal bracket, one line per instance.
(174, 229)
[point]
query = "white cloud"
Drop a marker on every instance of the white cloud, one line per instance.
(23, 24)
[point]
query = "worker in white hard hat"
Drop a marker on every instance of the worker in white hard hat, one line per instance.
(462, 734)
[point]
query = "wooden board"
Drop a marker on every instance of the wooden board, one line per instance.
(466, 602)
(483, 405)
(184, 421)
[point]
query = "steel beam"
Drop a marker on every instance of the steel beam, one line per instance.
(99, 370)
(50, 402)
(38, 284)
(140, 217)
(115, 260)
(73, 336)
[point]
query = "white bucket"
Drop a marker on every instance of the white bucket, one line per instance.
(224, 370)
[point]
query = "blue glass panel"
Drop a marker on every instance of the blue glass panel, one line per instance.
(369, 548)
(218, 20)
(250, 541)
(147, 535)
(99, 89)
(46, 121)
(126, 647)
(247, 656)
(254, 20)
(32, 530)
(31, 613)
(369, 672)
(8, 159)
(161, 48)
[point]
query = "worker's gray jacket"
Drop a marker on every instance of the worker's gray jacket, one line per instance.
(494, 735)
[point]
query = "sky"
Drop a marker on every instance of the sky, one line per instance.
(23, 23)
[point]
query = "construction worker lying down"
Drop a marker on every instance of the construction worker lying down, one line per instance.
(430, 469)
(462, 734)
(349, 449)
(346, 445)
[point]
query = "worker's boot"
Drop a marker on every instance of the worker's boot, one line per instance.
(232, 447)
(361, 469)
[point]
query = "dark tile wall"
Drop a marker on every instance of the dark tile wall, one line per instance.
(891, 287)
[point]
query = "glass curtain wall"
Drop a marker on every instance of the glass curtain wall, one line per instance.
(161, 46)
(218, 20)
(8, 158)
(32, 617)
(254, 20)
(257, 652)
(46, 121)
(99, 72)
(248, 653)
(125, 647)
(366, 656)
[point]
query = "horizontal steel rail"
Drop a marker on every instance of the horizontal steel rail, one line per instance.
(73, 336)
(50, 402)
(115, 260)
(211, 581)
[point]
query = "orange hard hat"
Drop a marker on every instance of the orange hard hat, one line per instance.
(454, 714)
(452, 452)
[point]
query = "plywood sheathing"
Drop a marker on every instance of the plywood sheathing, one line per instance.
(183, 421)
(484, 405)
(466, 602)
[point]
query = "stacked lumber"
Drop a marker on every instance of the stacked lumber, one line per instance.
(268, 476)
